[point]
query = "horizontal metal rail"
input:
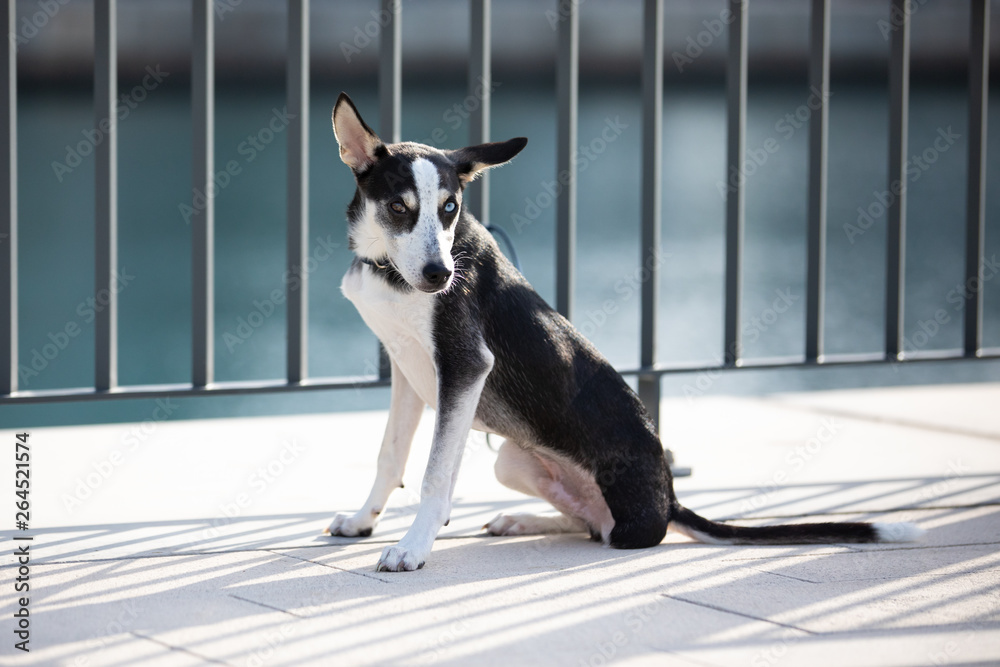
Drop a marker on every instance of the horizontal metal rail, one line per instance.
(371, 381)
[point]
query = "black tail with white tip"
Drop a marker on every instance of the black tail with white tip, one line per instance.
(699, 528)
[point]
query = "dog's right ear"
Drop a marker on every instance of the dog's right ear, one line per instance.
(358, 143)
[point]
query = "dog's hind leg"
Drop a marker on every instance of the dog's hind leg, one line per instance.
(569, 489)
(405, 408)
(534, 524)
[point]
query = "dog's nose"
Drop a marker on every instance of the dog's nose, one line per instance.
(436, 274)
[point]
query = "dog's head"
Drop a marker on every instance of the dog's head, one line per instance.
(409, 197)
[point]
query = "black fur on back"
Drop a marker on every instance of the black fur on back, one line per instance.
(551, 388)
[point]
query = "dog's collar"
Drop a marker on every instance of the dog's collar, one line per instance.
(384, 269)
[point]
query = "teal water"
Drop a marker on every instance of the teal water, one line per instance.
(56, 228)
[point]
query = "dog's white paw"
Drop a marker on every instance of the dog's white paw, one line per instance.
(351, 525)
(507, 524)
(398, 559)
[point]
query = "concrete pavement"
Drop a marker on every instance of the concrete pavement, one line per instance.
(199, 542)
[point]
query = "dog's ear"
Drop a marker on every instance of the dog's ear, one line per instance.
(358, 143)
(471, 160)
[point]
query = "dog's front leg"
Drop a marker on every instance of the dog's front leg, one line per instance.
(405, 408)
(460, 383)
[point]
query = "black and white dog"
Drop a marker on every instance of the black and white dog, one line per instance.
(467, 335)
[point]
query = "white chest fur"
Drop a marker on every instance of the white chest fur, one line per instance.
(403, 321)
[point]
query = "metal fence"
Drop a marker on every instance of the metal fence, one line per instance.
(650, 370)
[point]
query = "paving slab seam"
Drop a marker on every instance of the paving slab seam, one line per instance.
(266, 606)
(960, 626)
(889, 421)
(740, 613)
(787, 576)
(366, 575)
(180, 649)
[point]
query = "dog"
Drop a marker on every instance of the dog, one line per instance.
(467, 335)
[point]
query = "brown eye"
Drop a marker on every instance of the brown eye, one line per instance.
(397, 207)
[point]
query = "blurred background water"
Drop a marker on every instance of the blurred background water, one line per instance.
(57, 214)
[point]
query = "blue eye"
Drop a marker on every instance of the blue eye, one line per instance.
(450, 207)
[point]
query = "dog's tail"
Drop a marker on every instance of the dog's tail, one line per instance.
(710, 532)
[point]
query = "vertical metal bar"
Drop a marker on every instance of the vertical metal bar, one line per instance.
(649, 252)
(567, 91)
(390, 93)
(899, 108)
(297, 243)
(8, 203)
(106, 195)
(477, 194)
(390, 71)
(979, 68)
(819, 85)
(736, 101)
(203, 229)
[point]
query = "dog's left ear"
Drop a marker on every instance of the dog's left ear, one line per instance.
(471, 160)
